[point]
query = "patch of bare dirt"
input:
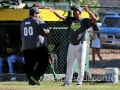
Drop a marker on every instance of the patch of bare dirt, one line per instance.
(111, 58)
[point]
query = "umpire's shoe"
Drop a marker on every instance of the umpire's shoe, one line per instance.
(34, 80)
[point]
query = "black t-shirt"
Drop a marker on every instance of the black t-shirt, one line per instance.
(77, 28)
(9, 49)
(33, 33)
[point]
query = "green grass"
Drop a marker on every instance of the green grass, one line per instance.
(47, 85)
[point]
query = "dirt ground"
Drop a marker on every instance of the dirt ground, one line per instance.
(111, 58)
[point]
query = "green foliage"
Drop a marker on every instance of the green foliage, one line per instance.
(45, 0)
(90, 3)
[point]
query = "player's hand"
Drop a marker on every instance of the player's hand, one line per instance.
(47, 31)
(86, 8)
(52, 9)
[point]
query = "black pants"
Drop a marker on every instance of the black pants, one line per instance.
(31, 56)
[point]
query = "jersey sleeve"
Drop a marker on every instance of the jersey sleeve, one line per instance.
(43, 25)
(88, 22)
(67, 22)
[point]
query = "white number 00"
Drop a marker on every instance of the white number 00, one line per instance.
(28, 31)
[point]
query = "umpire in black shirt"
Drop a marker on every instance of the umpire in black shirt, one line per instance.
(34, 45)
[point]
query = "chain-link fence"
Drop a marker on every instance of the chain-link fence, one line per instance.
(58, 42)
(110, 42)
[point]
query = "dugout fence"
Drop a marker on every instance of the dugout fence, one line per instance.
(57, 40)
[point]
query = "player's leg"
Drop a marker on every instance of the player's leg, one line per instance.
(70, 64)
(30, 60)
(98, 54)
(93, 56)
(11, 59)
(81, 57)
(100, 57)
(42, 59)
(20, 58)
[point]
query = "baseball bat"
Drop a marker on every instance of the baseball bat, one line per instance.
(41, 78)
(53, 71)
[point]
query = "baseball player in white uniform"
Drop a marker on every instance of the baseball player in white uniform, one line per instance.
(77, 27)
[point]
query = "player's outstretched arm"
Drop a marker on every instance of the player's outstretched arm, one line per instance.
(94, 19)
(52, 9)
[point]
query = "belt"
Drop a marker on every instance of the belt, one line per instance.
(77, 43)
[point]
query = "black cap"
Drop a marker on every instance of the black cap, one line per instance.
(76, 7)
(34, 10)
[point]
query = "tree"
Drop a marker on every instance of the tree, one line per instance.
(45, 0)
(91, 4)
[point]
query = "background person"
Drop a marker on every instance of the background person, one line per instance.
(96, 44)
(34, 45)
(10, 52)
(18, 62)
(77, 27)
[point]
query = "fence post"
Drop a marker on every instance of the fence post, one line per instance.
(87, 51)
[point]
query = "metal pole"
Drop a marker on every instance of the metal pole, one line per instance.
(69, 11)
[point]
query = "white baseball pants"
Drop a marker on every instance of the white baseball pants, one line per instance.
(76, 52)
